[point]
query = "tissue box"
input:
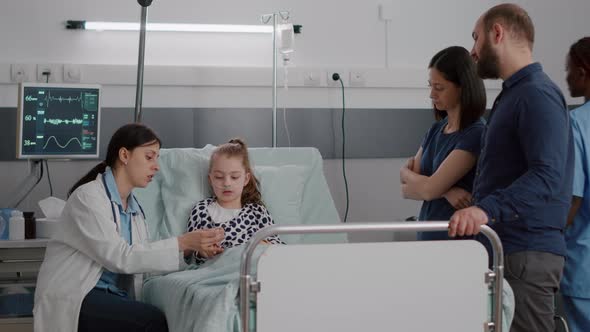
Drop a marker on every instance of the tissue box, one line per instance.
(45, 228)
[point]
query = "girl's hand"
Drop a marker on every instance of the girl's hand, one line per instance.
(212, 251)
(202, 240)
(458, 198)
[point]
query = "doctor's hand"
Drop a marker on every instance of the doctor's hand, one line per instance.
(467, 221)
(202, 240)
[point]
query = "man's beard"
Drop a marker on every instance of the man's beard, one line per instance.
(487, 63)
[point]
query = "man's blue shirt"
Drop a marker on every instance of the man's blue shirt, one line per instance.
(525, 170)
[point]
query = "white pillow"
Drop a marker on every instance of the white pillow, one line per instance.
(182, 181)
(282, 193)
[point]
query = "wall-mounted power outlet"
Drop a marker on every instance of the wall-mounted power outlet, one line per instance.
(358, 78)
(312, 78)
(72, 73)
(336, 83)
(18, 73)
(54, 72)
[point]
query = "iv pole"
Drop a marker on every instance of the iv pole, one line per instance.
(265, 19)
(140, 61)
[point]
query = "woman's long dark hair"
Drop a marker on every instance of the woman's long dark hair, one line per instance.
(456, 65)
(237, 148)
(129, 137)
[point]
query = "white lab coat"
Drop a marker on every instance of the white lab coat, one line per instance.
(87, 243)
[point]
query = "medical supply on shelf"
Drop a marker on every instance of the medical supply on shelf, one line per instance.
(30, 227)
(16, 226)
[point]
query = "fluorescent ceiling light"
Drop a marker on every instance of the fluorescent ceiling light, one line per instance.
(127, 26)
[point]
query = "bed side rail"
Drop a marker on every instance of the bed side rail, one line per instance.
(248, 283)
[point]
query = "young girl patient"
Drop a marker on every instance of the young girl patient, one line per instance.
(237, 204)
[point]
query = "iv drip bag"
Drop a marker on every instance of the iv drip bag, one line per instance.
(286, 40)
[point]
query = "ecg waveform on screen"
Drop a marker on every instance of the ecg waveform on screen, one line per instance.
(62, 146)
(81, 99)
(66, 121)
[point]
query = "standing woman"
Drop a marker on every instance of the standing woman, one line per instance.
(574, 285)
(442, 172)
(91, 277)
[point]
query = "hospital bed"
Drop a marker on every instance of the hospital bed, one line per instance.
(417, 286)
(319, 281)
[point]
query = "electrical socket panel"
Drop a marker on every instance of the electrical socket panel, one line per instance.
(358, 78)
(55, 72)
(312, 78)
(19, 73)
(72, 73)
(336, 84)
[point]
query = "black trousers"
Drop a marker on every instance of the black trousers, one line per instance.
(534, 277)
(104, 311)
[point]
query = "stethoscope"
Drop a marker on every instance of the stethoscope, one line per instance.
(106, 189)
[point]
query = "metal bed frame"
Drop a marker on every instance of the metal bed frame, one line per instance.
(249, 286)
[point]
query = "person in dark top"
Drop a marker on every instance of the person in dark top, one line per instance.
(441, 174)
(523, 184)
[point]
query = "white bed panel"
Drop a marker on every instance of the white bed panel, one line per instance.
(403, 286)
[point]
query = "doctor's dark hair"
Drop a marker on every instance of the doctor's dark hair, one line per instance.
(456, 65)
(129, 136)
(237, 148)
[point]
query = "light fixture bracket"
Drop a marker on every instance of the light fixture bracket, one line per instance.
(144, 3)
(75, 25)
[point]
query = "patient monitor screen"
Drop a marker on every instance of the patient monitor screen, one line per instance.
(58, 121)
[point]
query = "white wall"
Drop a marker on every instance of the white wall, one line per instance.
(336, 37)
(335, 34)
(205, 70)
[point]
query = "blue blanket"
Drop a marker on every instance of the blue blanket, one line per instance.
(203, 299)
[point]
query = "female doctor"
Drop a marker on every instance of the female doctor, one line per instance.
(92, 277)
